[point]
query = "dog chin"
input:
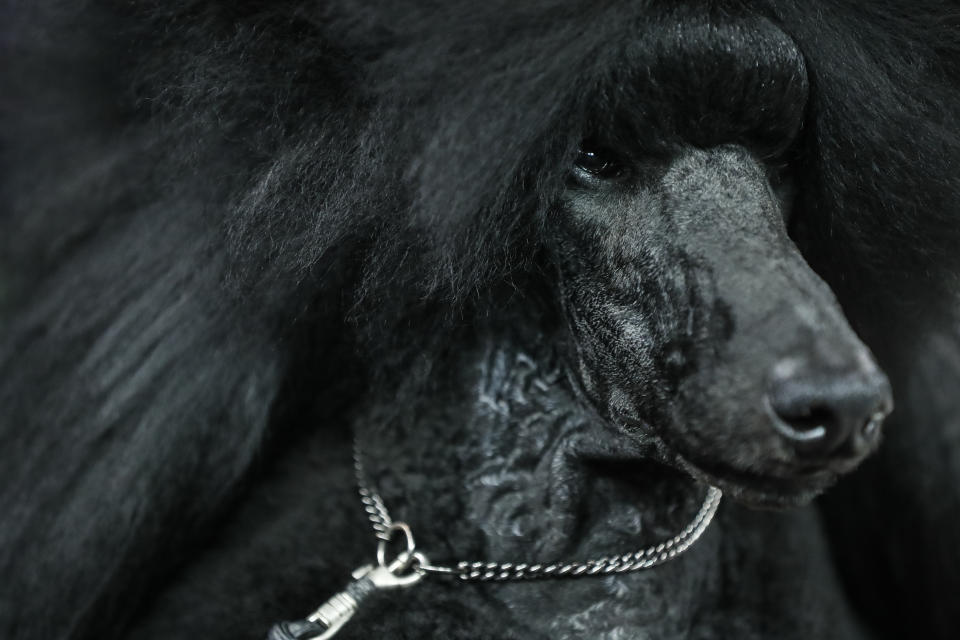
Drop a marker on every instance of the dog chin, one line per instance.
(761, 491)
(768, 500)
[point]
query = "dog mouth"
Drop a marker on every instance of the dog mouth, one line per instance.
(775, 485)
(657, 480)
(754, 489)
(761, 490)
(783, 485)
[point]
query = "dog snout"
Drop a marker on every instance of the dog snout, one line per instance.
(827, 414)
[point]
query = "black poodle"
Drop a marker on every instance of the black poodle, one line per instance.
(557, 273)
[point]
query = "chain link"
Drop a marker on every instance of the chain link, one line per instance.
(501, 571)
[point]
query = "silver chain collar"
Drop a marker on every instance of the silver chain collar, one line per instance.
(410, 565)
(385, 528)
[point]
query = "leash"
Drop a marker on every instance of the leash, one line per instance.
(410, 566)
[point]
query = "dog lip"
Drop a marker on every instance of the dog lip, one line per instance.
(790, 485)
(762, 490)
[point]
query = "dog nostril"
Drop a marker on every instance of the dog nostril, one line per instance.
(804, 424)
(871, 428)
(826, 413)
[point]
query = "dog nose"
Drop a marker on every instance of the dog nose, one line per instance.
(828, 413)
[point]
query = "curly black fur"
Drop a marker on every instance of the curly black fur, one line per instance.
(229, 229)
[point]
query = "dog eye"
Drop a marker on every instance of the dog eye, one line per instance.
(599, 163)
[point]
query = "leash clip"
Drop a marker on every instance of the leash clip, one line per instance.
(401, 572)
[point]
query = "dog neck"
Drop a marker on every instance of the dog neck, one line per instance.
(496, 458)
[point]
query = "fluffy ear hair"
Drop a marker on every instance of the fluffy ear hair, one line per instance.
(223, 182)
(880, 214)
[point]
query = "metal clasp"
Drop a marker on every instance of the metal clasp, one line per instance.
(402, 571)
